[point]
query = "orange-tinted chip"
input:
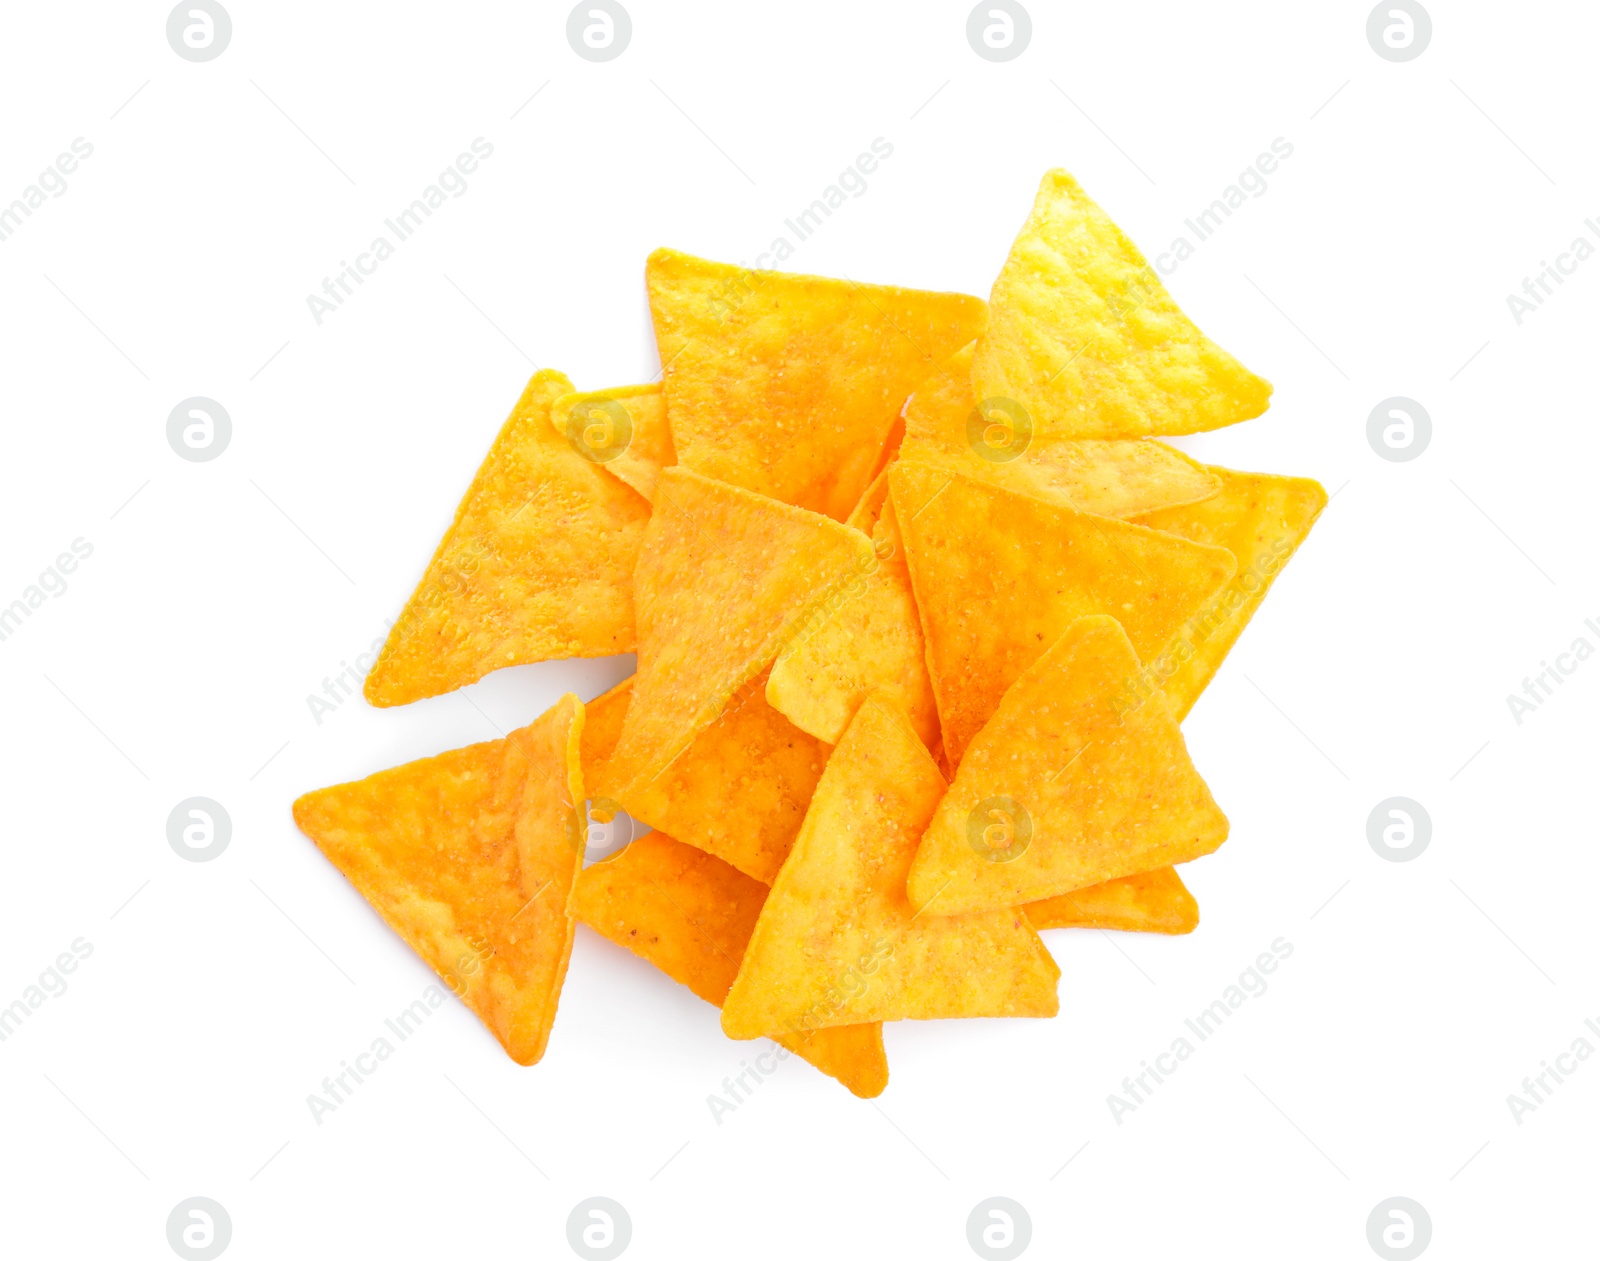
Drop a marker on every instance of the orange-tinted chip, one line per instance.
(691, 915)
(470, 857)
(1150, 902)
(1062, 789)
(1084, 338)
(537, 565)
(624, 430)
(788, 385)
(837, 942)
(999, 576)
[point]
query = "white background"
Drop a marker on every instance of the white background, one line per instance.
(219, 595)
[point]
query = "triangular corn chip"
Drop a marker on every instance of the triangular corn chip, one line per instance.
(1113, 478)
(739, 792)
(873, 642)
(725, 578)
(1084, 337)
(1259, 517)
(999, 576)
(470, 857)
(786, 384)
(1062, 790)
(537, 565)
(838, 943)
(1150, 902)
(691, 915)
(624, 430)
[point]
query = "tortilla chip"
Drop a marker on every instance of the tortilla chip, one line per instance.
(691, 915)
(788, 385)
(537, 565)
(999, 576)
(837, 942)
(1259, 517)
(470, 857)
(1110, 478)
(725, 578)
(624, 430)
(739, 792)
(1085, 338)
(1150, 902)
(1062, 790)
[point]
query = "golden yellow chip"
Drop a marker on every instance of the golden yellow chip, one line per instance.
(691, 915)
(739, 792)
(1150, 902)
(1112, 478)
(537, 565)
(725, 578)
(837, 942)
(470, 856)
(1084, 338)
(873, 642)
(1062, 789)
(624, 430)
(788, 385)
(1259, 517)
(999, 576)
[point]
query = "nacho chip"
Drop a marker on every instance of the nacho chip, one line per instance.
(1259, 517)
(691, 915)
(873, 642)
(1150, 902)
(725, 578)
(624, 430)
(999, 576)
(1116, 478)
(788, 385)
(1062, 789)
(470, 857)
(1085, 339)
(837, 942)
(537, 565)
(739, 791)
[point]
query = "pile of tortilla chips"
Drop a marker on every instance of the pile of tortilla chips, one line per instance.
(918, 601)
